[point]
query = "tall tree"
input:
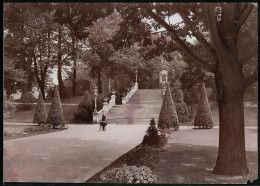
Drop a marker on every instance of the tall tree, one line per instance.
(100, 34)
(217, 28)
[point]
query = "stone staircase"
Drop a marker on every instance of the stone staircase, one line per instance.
(143, 105)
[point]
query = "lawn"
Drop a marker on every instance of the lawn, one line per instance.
(26, 116)
(72, 100)
(190, 156)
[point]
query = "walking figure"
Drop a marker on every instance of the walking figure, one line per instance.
(103, 122)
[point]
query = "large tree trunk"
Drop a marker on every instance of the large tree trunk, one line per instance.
(59, 73)
(105, 80)
(231, 159)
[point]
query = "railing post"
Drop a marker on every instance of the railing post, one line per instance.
(95, 117)
(113, 99)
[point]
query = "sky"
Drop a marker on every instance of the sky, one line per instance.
(176, 18)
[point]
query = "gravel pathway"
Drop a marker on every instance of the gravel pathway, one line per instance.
(72, 155)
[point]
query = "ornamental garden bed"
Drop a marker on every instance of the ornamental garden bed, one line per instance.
(136, 162)
(19, 131)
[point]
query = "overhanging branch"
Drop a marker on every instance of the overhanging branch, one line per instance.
(200, 37)
(243, 16)
(183, 46)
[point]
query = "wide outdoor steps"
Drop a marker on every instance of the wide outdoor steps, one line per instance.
(143, 105)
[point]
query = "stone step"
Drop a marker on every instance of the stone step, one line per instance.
(142, 106)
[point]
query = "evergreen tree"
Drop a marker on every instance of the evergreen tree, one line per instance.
(85, 109)
(203, 115)
(55, 116)
(178, 99)
(151, 138)
(168, 116)
(40, 115)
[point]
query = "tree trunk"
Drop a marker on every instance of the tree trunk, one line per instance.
(42, 88)
(74, 78)
(24, 88)
(105, 80)
(231, 159)
(59, 73)
(99, 82)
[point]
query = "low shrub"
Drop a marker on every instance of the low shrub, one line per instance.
(129, 174)
(28, 98)
(84, 110)
(25, 106)
(50, 93)
(143, 155)
(9, 109)
(28, 130)
(151, 137)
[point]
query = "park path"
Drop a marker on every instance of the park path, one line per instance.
(72, 155)
(76, 154)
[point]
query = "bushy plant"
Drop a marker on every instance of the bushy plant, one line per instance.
(28, 97)
(9, 108)
(84, 110)
(203, 115)
(143, 155)
(129, 174)
(82, 86)
(151, 137)
(168, 116)
(24, 106)
(55, 115)
(40, 115)
(180, 105)
(50, 93)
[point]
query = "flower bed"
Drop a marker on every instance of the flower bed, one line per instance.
(129, 174)
(24, 130)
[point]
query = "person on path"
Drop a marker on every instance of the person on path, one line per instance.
(103, 122)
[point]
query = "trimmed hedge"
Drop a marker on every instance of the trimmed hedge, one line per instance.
(55, 116)
(84, 110)
(203, 115)
(40, 115)
(152, 137)
(168, 116)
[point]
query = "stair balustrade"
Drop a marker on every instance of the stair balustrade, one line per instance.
(106, 107)
(130, 94)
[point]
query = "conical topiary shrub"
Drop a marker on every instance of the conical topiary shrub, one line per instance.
(55, 116)
(152, 137)
(180, 105)
(40, 115)
(84, 110)
(203, 115)
(168, 116)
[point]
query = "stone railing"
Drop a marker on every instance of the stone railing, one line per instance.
(130, 93)
(106, 107)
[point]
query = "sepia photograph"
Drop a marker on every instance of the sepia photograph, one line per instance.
(130, 93)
